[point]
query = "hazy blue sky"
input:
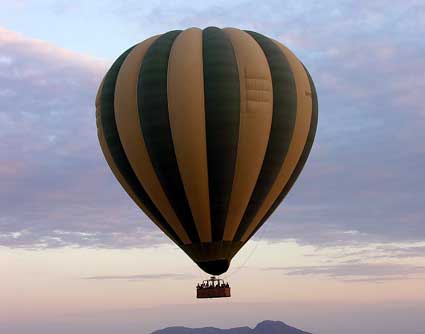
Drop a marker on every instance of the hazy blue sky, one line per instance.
(347, 248)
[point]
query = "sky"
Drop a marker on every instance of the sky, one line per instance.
(344, 253)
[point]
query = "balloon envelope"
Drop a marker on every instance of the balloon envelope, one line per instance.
(207, 131)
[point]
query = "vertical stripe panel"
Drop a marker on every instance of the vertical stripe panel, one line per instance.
(187, 121)
(303, 159)
(114, 153)
(283, 122)
(130, 132)
(298, 141)
(155, 124)
(256, 109)
(222, 104)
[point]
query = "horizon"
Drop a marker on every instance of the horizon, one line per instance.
(344, 252)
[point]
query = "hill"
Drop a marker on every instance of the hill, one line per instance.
(264, 327)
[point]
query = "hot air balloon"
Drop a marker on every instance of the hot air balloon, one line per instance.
(207, 131)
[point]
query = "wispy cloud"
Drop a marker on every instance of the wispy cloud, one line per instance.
(56, 188)
(357, 272)
(140, 277)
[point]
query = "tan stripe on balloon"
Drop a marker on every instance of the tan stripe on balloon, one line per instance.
(185, 90)
(298, 141)
(256, 110)
(131, 136)
(113, 166)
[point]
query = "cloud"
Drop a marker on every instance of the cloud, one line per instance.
(357, 272)
(364, 180)
(140, 277)
(403, 252)
(361, 262)
(56, 188)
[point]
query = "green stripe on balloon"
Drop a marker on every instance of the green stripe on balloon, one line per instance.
(155, 124)
(110, 131)
(304, 155)
(283, 123)
(222, 111)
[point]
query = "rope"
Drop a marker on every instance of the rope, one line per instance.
(242, 266)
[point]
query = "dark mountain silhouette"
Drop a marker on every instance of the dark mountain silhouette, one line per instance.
(264, 327)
